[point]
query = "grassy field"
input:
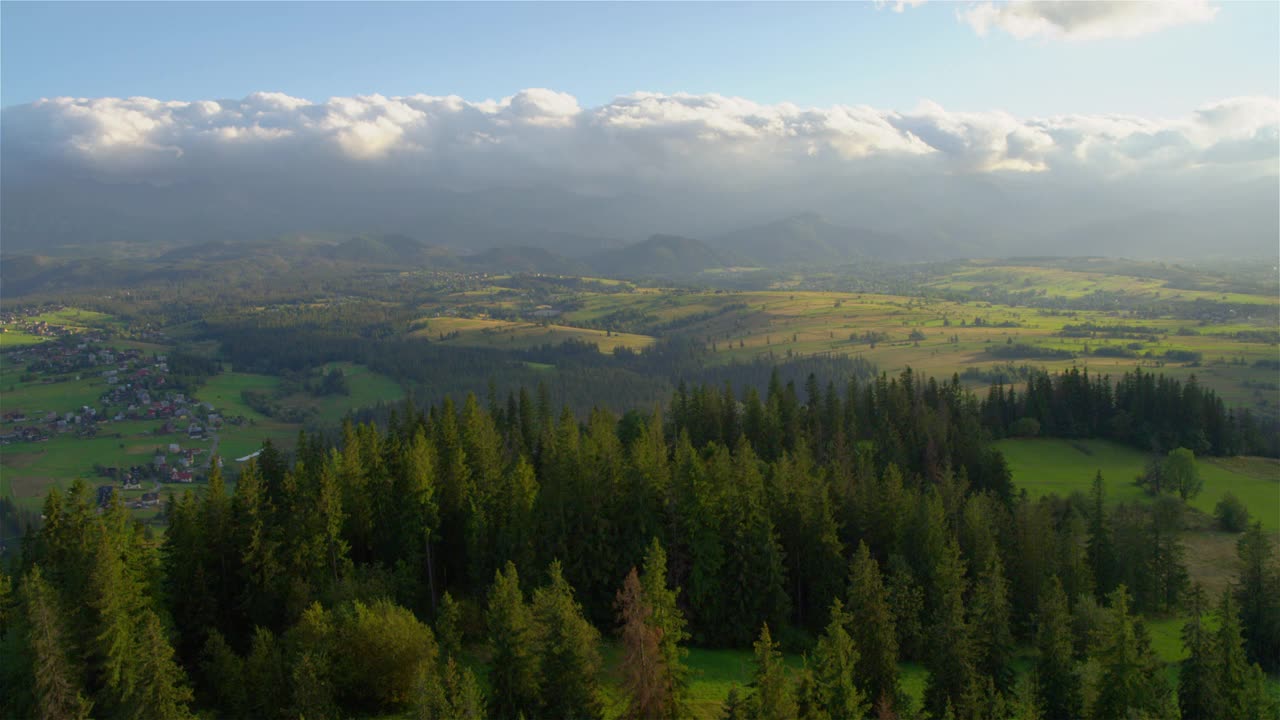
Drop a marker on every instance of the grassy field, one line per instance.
(1045, 466)
(30, 469)
(514, 335)
(943, 337)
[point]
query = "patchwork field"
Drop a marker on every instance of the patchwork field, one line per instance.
(515, 335)
(942, 337)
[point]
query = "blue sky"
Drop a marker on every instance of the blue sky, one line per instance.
(809, 54)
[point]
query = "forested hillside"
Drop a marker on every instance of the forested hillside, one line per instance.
(465, 561)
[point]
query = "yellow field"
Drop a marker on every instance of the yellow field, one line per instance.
(515, 335)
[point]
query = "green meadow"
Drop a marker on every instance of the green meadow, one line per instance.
(1043, 466)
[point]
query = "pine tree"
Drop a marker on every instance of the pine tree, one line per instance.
(773, 697)
(1057, 680)
(644, 675)
(449, 627)
(669, 620)
(1131, 677)
(1197, 676)
(160, 689)
(1257, 594)
(222, 677)
(1240, 691)
(514, 673)
(115, 601)
(828, 688)
(951, 660)
(57, 686)
(992, 634)
(568, 651)
(1100, 550)
(871, 625)
(265, 675)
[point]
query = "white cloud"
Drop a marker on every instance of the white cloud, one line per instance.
(539, 136)
(1084, 19)
(898, 5)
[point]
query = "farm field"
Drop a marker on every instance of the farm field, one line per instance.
(942, 337)
(28, 470)
(1066, 283)
(515, 335)
(73, 318)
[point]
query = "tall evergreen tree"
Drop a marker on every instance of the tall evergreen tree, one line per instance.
(1131, 679)
(1198, 697)
(828, 689)
(1100, 549)
(773, 697)
(989, 617)
(58, 685)
(160, 690)
(1257, 593)
(667, 618)
(952, 681)
(514, 673)
(1057, 679)
(1240, 691)
(644, 675)
(568, 652)
(871, 625)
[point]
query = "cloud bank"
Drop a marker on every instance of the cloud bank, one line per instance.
(544, 137)
(1085, 19)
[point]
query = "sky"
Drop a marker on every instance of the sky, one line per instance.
(877, 54)
(1107, 110)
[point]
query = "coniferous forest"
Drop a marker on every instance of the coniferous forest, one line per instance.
(477, 559)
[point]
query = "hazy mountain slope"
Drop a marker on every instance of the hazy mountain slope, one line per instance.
(660, 255)
(524, 260)
(809, 239)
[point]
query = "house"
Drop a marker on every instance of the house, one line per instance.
(158, 461)
(182, 476)
(174, 448)
(104, 494)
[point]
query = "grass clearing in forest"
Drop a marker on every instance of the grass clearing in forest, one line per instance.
(519, 335)
(1043, 466)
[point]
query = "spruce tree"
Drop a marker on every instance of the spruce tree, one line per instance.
(57, 686)
(951, 661)
(871, 625)
(1099, 549)
(159, 690)
(669, 620)
(1197, 675)
(514, 673)
(644, 677)
(1257, 594)
(1131, 678)
(1057, 680)
(449, 627)
(1240, 691)
(773, 697)
(992, 634)
(828, 688)
(568, 652)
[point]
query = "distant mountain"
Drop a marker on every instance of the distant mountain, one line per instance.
(397, 250)
(524, 260)
(809, 239)
(660, 255)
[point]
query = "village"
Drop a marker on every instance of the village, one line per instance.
(132, 386)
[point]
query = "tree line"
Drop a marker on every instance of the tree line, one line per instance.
(1150, 411)
(868, 525)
